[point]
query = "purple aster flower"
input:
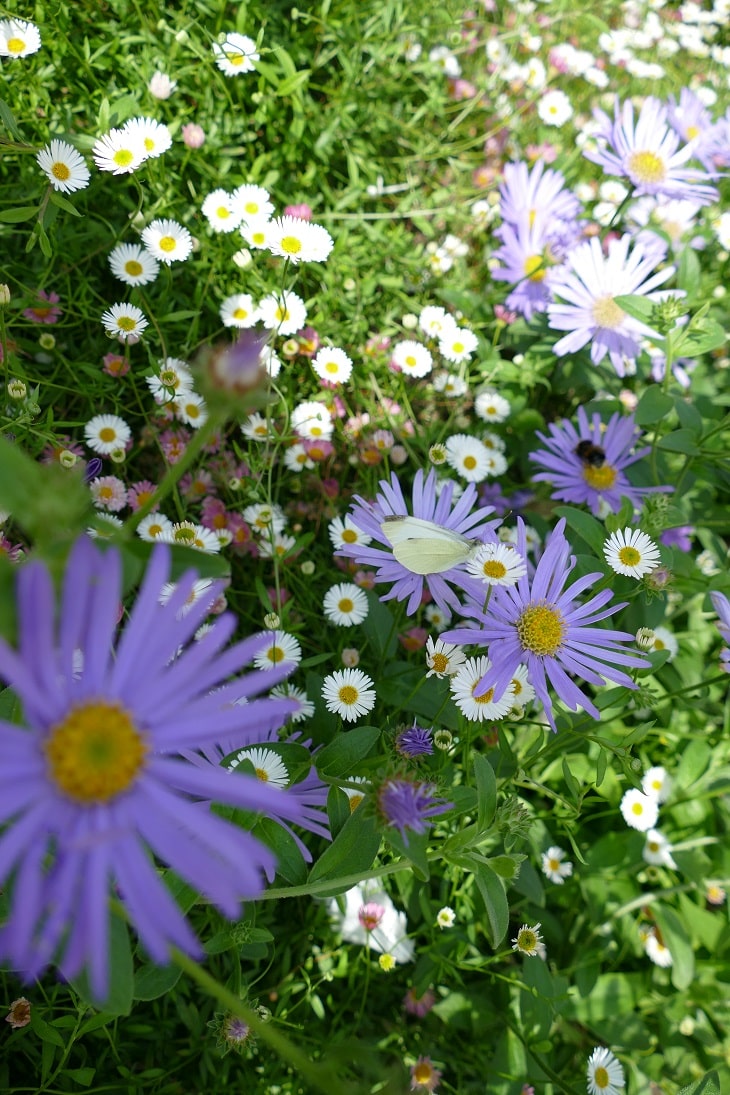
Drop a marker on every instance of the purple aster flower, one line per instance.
(586, 464)
(691, 120)
(527, 196)
(648, 154)
(95, 785)
(525, 263)
(588, 284)
(416, 741)
(722, 608)
(679, 537)
(427, 506)
(407, 805)
(539, 623)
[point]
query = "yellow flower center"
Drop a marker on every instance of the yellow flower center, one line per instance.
(554, 864)
(184, 536)
(251, 207)
(439, 662)
(526, 940)
(486, 698)
(240, 313)
(637, 809)
(606, 313)
(291, 245)
(222, 213)
(275, 654)
(133, 268)
(458, 347)
(602, 478)
(355, 801)
(629, 556)
(154, 530)
(647, 167)
(16, 45)
(235, 59)
(422, 1073)
(692, 132)
(126, 323)
(123, 157)
(262, 775)
(411, 361)
(149, 144)
(282, 314)
(600, 1077)
(469, 462)
(535, 267)
(348, 694)
(331, 367)
(658, 645)
(167, 243)
(541, 629)
(258, 238)
(107, 434)
(494, 569)
(60, 171)
(95, 753)
(192, 410)
(653, 846)
(346, 605)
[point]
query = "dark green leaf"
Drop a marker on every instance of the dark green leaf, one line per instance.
(679, 441)
(340, 757)
(351, 852)
(708, 1085)
(151, 982)
(491, 891)
(486, 792)
(121, 974)
(591, 530)
(653, 406)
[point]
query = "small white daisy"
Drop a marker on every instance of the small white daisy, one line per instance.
(118, 152)
(296, 458)
(528, 940)
(235, 54)
(125, 321)
(657, 850)
(491, 407)
(285, 313)
(160, 85)
(256, 428)
(435, 321)
(299, 240)
(155, 526)
(133, 265)
(167, 240)
(631, 552)
(190, 408)
(497, 565)
(437, 617)
(657, 950)
(105, 527)
(264, 518)
(239, 310)
(345, 604)
(663, 639)
(443, 659)
(303, 709)
(554, 108)
(446, 917)
(64, 167)
(188, 534)
(278, 648)
(312, 421)
(276, 546)
(555, 866)
(657, 784)
(267, 765)
(524, 692)
(218, 209)
(354, 794)
(154, 136)
(257, 232)
(605, 1075)
(450, 385)
(173, 380)
(469, 457)
(251, 202)
(465, 683)
(412, 358)
(639, 810)
(458, 344)
(271, 361)
(18, 38)
(348, 693)
(105, 433)
(343, 532)
(332, 364)
(202, 590)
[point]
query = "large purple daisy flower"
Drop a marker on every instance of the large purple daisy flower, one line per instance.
(428, 506)
(96, 784)
(539, 623)
(526, 196)
(586, 465)
(525, 262)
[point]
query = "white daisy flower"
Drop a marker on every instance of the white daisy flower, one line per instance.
(348, 693)
(125, 321)
(312, 421)
(554, 108)
(167, 240)
(271, 361)
(239, 310)
(443, 659)
(188, 534)
(218, 210)
(202, 590)
(296, 458)
(299, 240)
(118, 152)
(276, 546)
(469, 457)
(657, 784)
(640, 811)
(105, 527)
(343, 532)
(458, 344)
(555, 866)
(304, 707)
(464, 684)
(657, 850)
(133, 265)
(64, 167)
(267, 765)
(104, 433)
(257, 232)
(605, 1075)
(251, 203)
(446, 917)
(446, 61)
(332, 364)
(155, 526)
(497, 565)
(278, 648)
(155, 136)
(354, 795)
(285, 312)
(264, 518)
(528, 940)
(437, 617)
(631, 552)
(450, 385)
(18, 38)
(435, 321)
(657, 950)
(524, 692)
(345, 604)
(256, 428)
(190, 408)
(173, 380)
(412, 358)
(235, 54)
(663, 639)
(491, 407)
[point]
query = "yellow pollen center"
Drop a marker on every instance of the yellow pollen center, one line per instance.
(653, 846)
(601, 1077)
(637, 809)
(602, 478)
(554, 864)
(154, 530)
(126, 323)
(123, 157)
(262, 775)
(458, 347)
(95, 753)
(355, 801)
(240, 313)
(535, 267)
(133, 268)
(494, 569)
(541, 629)
(251, 207)
(526, 940)
(223, 213)
(149, 144)
(258, 237)
(275, 654)
(235, 58)
(282, 314)
(470, 462)
(346, 605)
(60, 171)
(606, 313)
(291, 245)
(440, 663)
(692, 132)
(422, 1073)
(486, 698)
(167, 243)
(331, 367)
(16, 45)
(107, 434)
(629, 556)
(411, 361)
(658, 645)
(647, 167)
(348, 694)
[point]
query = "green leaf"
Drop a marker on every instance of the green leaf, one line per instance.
(64, 204)
(20, 213)
(708, 1085)
(290, 863)
(486, 792)
(415, 851)
(151, 981)
(709, 336)
(679, 441)
(570, 781)
(8, 120)
(121, 975)
(83, 1076)
(653, 406)
(587, 527)
(380, 628)
(340, 757)
(676, 938)
(491, 891)
(351, 852)
(639, 307)
(688, 272)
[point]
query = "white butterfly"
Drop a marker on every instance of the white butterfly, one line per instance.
(423, 547)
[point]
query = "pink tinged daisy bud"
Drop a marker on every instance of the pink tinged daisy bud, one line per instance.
(161, 86)
(370, 915)
(193, 135)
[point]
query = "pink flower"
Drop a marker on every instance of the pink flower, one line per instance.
(214, 514)
(414, 639)
(303, 211)
(140, 493)
(418, 1005)
(193, 135)
(173, 444)
(108, 493)
(39, 314)
(370, 915)
(114, 365)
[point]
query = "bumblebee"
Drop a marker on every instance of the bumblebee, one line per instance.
(590, 454)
